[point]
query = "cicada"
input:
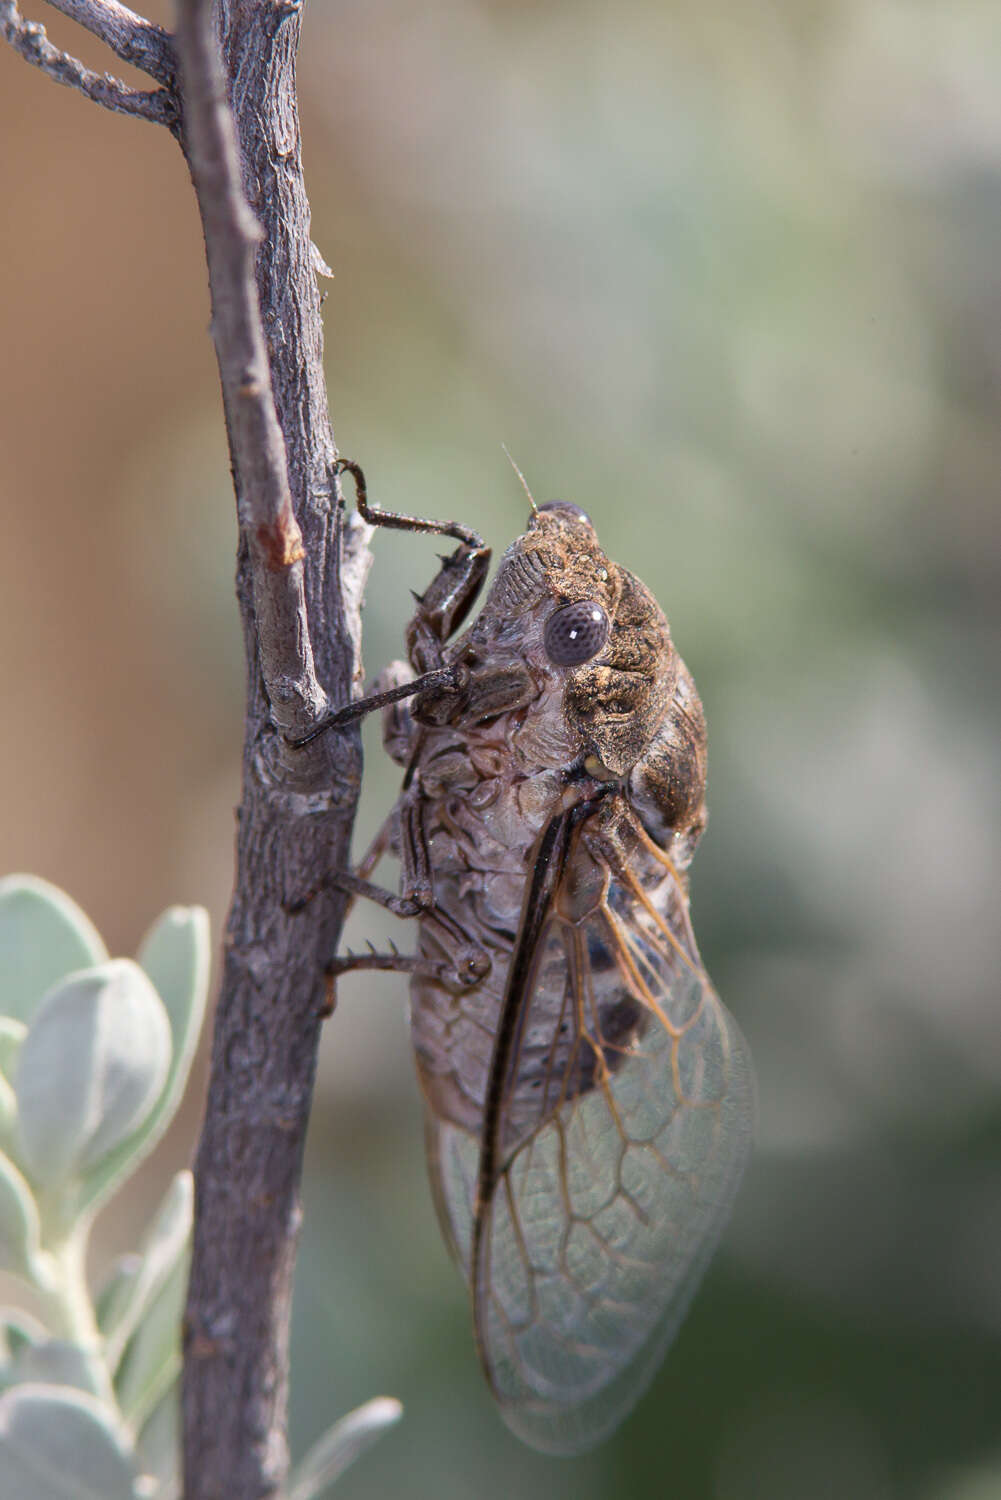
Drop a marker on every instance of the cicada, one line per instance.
(588, 1098)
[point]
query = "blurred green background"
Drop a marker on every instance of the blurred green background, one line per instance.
(727, 276)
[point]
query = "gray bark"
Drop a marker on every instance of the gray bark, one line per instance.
(297, 807)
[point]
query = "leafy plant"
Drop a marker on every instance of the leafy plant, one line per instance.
(94, 1055)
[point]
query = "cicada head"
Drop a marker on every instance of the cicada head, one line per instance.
(570, 642)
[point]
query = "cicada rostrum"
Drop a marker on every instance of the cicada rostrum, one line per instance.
(588, 1098)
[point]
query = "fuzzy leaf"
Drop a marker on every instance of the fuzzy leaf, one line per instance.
(18, 1328)
(8, 1112)
(152, 1358)
(340, 1445)
(165, 1246)
(91, 1069)
(43, 937)
(19, 1227)
(116, 1291)
(59, 1444)
(175, 955)
(159, 1445)
(12, 1034)
(51, 1362)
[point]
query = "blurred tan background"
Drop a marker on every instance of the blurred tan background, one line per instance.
(727, 276)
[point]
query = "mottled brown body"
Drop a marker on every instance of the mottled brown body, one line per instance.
(588, 1098)
(488, 770)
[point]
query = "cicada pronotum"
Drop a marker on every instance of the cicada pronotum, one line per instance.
(588, 1098)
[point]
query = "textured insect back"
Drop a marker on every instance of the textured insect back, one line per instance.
(667, 785)
(620, 699)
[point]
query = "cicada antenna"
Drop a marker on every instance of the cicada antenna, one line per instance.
(524, 485)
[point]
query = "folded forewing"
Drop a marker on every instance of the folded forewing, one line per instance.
(453, 1164)
(622, 1129)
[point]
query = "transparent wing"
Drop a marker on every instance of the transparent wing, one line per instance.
(621, 1131)
(453, 1156)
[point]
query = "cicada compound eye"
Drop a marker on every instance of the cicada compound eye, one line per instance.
(575, 633)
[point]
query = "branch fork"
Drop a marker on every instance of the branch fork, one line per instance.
(129, 36)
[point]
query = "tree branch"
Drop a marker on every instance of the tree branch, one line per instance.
(132, 38)
(232, 235)
(300, 574)
(28, 38)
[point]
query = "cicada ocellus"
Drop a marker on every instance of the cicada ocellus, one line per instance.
(588, 1098)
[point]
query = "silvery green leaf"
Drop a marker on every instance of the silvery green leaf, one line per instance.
(43, 936)
(11, 1037)
(175, 955)
(18, 1331)
(91, 1069)
(19, 1227)
(8, 1113)
(116, 1291)
(165, 1246)
(59, 1444)
(12, 1034)
(151, 1360)
(158, 1447)
(18, 1328)
(52, 1362)
(341, 1445)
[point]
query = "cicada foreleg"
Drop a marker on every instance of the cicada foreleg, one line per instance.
(440, 610)
(452, 593)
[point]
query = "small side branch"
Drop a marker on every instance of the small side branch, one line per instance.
(28, 38)
(267, 520)
(132, 38)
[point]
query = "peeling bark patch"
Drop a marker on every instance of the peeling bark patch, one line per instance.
(280, 545)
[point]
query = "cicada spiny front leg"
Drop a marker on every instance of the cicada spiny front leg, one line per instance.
(446, 603)
(439, 611)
